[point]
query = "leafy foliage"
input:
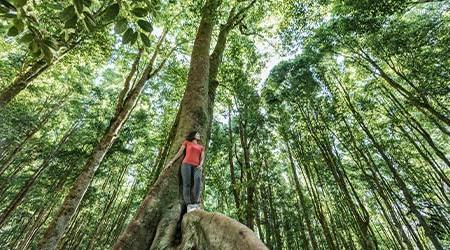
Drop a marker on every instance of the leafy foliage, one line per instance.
(343, 146)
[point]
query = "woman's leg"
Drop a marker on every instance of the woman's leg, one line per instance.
(186, 178)
(197, 184)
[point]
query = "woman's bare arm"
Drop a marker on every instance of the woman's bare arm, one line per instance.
(180, 151)
(202, 159)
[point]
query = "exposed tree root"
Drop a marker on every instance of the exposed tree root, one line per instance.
(206, 230)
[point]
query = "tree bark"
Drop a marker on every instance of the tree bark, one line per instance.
(302, 199)
(154, 225)
(228, 233)
(234, 187)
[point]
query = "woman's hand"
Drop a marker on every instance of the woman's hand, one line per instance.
(168, 164)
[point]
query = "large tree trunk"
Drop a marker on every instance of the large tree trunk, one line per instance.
(154, 225)
(155, 222)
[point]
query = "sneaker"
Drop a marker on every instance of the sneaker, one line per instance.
(192, 207)
(195, 206)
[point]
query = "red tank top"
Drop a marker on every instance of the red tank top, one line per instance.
(193, 153)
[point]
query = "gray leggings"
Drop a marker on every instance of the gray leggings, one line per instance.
(186, 173)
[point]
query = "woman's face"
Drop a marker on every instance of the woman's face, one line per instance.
(197, 136)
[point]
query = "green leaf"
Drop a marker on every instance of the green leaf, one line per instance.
(145, 25)
(139, 12)
(55, 6)
(111, 12)
(68, 12)
(34, 48)
(121, 25)
(18, 23)
(78, 6)
(36, 53)
(13, 31)
(134, 37)
(20, 3)
(145, 40)
(27, 37)
(87, 3)
(126, 38)
(71, 23)
(89, 22)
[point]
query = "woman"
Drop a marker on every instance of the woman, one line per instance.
(192, 163)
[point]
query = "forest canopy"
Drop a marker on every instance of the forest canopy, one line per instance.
(325, 124)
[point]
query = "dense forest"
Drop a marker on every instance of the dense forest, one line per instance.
(326, 123)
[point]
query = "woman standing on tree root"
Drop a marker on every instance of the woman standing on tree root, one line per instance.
(192, 163)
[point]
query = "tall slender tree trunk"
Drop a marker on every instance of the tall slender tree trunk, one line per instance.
(303, 207)
(99, 228)
(12, 156)
(250, 182)
(318, 210)
(234, 187)
(392, 220)
(126, 102)
(392, 167)
(24, 190)
(420, 102)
